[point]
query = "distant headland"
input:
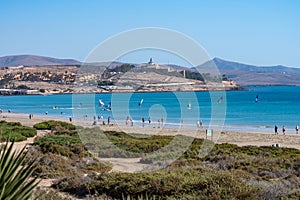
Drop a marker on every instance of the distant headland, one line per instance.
(29, 74)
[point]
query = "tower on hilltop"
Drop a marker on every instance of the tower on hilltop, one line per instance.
(150, 62)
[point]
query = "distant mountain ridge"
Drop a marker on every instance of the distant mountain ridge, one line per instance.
(224, 65)
(28, 60)
(245, 74)
(242, 74)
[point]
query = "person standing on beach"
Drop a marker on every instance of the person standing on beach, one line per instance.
(149, 120)
(283, 130)
(276, 130)
(108, 120)
(297, 129)
(131, 121)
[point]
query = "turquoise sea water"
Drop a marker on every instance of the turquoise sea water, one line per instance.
(238, 110)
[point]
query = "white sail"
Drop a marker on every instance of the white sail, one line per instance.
(141, 102)
(101, 102)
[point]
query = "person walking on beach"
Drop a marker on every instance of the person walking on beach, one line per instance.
(297, 129)
(108, 120)
(276, 130)
(143, 121)
(283, 130)
(149, 120)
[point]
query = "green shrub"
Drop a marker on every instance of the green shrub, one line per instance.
(64, 145)
(49, 125)
(58, 139)
(46, 194)
(177, 183)
(54, 166)
(15, 131)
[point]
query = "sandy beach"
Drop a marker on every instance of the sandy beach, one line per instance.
(225, 136)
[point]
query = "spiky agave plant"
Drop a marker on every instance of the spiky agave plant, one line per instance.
(15, 171)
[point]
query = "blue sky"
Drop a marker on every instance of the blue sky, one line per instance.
(255, 32)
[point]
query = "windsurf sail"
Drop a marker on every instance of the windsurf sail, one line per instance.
(141, 102)
(220, 99)
(101, 102)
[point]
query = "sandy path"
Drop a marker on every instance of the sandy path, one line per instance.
(126, 164)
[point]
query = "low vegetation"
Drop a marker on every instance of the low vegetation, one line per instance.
(51, 124)
(14, 131)
(225, 172)
(61, 153)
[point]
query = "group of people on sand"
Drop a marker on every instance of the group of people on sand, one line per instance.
(129, 120)
(200, 124)
(101, 119)
(283, 129)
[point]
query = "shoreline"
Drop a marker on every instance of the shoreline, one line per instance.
(240, 138)
(224, 89)
(88, 122)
